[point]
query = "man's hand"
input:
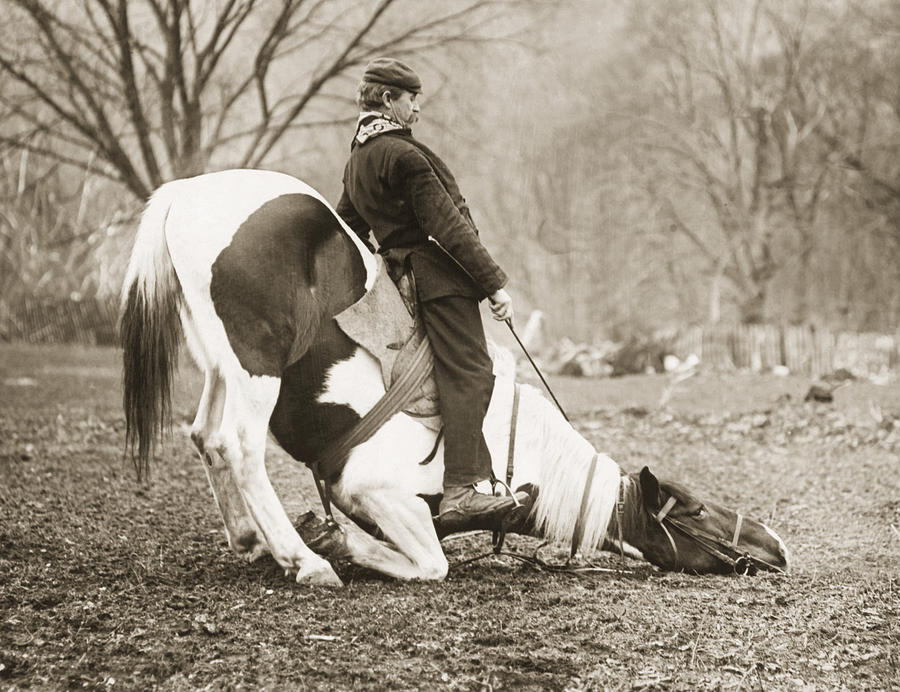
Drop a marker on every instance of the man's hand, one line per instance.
(501, 305)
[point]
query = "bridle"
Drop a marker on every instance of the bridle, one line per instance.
(730, 553)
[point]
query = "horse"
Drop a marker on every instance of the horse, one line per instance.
(250, 270)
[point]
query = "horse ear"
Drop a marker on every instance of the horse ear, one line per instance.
(649, 488)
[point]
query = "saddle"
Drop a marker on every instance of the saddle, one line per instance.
(385, 323)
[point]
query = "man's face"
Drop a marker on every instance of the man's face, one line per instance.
(404, 108)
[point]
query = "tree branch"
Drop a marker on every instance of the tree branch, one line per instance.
(118, 20)
(337, 65)
(101, 131)
(53, 153)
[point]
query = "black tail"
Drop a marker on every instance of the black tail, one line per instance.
(150, 335)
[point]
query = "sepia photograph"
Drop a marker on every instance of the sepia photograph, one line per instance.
(453, 345)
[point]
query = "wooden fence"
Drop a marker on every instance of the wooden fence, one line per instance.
(801, 349)
(747, 347)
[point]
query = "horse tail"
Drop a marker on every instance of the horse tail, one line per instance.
(149, 332)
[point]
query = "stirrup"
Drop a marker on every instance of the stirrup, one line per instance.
(495, 481)
(499, 536)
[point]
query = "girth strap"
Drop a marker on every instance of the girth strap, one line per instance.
(498, 537)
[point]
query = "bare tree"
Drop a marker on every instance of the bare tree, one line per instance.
(740, 167)
(844, 101)
(859, 70)
(141, 91)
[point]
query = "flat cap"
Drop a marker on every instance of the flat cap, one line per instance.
(392, 72)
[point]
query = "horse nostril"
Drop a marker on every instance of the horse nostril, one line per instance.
(785, 555)
(785, 560)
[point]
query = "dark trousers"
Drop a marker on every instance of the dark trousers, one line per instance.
(464, 379)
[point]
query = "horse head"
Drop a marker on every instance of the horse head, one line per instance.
(676, 531)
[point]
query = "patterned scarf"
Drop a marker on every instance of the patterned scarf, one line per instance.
(372, 123)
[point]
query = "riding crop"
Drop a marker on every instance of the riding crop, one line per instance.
(511, 329)
(536, 369)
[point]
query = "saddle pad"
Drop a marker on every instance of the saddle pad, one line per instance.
(381, 323)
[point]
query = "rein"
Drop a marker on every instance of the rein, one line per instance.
(538, 563)
(498, 537)
(330, 462)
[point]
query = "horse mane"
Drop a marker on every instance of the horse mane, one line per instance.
(557, 459)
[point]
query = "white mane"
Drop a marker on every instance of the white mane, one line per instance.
(551, 454)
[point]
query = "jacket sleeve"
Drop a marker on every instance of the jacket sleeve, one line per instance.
(351, 217)
(439, 218)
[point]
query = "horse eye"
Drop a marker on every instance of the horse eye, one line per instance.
(700, 513)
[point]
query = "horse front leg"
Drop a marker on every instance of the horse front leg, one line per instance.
(414, 551)
(241, 441)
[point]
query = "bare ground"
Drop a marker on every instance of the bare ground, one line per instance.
(108, 584)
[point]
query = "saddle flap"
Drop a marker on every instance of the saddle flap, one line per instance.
(381, 323)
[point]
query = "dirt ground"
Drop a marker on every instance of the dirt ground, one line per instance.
(105, 583)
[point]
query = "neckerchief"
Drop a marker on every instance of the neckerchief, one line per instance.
(372, 123)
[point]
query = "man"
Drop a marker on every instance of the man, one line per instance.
(400, 190)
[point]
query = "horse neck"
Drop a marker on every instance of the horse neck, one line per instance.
(631, 516)
(562, 464)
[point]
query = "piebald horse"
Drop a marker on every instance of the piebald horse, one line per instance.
(252, 267)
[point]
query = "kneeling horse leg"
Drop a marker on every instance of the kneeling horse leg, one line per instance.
(241, 530)
(412, 549)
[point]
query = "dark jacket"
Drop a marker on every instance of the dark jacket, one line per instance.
(404, 193)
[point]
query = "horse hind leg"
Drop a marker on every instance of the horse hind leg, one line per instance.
(241, 441)
(241, 530)
(243, 535)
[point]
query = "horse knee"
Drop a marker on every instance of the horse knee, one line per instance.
(436, 571)
(246, 468)
(219, 453)
(207, 452)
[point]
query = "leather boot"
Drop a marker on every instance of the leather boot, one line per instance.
(464, 509)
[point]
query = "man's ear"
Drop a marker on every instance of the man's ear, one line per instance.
(649, 489)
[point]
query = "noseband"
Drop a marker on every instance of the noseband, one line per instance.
(741, 562)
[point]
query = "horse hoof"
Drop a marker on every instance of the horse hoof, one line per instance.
(250, 546)
(325, 538)
(253, 555)
(319, 575)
